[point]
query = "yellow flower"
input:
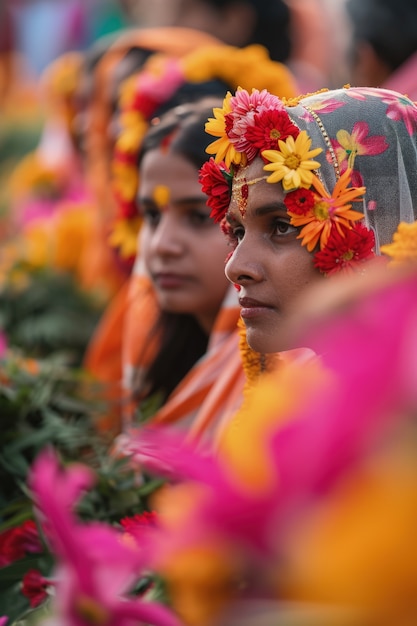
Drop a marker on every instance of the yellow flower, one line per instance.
(38, 241)
(202, 580)
(125, 236)
(292, 163)
(134, 128)
(72, 230)
(328, 209)
(403, 249)
(125, 180)
(32, 176)
(222, 148)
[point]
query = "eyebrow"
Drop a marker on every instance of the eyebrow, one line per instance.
(266, 209)
(180, 201)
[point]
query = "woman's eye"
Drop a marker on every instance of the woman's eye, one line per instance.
(238, 232)
(282, 227)
(200, 218)
(228, 232)
(151, 216)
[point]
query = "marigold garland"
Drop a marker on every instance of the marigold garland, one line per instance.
(142, 94)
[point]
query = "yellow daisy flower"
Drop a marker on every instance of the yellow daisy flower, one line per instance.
(292, 163)
(222, 148)
(403, 249)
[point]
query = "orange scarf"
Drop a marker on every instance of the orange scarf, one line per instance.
(211, 388)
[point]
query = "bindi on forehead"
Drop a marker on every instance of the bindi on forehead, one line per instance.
(240, 189)
(161, 195)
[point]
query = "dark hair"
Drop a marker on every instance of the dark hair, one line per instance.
(389, 26)
(184, 126)
(183, 340)
(271, 27)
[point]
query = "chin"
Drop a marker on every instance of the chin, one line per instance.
(261, 342)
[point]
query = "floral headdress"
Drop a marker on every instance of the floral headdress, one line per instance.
(143, 94)
(258, 124)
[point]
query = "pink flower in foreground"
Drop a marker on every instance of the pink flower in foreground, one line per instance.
(226, 507)
(3, 344)
(96, 569)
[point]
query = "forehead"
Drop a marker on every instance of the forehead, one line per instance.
(161, 167)
(250, 190)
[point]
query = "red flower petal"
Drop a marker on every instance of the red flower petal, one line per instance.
(345, 251)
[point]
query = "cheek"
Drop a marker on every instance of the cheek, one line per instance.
(212, 254)
(144, 242)
(294, 272)
(303, 271)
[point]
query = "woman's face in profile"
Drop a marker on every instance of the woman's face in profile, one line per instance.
(269, 263)
(183, 249)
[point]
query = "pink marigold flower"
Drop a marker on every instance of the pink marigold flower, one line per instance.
(35, 587)
(3, 620)
(159, 84)
(244, 109)
(346, 252)
(244, 102)
(215, 181)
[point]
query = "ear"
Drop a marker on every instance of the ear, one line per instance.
(367, 69)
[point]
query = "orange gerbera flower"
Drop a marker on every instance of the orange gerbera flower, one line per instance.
(328, 209)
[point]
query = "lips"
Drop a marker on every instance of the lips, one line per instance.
(251, 308)
(169, 280)
(249, 303)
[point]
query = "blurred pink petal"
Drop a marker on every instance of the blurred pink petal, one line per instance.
(97, 568)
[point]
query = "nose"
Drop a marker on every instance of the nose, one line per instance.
(167, 239)
(244, 266)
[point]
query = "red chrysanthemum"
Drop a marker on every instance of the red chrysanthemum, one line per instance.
(215, 181)
(300, 201)
(34, 587)
(15, 543)
(345, 250)
(146, 518)
(270, 126)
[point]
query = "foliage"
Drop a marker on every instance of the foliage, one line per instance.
(49, 403)
(47, 313)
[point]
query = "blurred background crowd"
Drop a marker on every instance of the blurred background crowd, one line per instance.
(72, 120)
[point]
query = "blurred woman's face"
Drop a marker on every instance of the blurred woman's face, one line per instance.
(183, 249)
(269, 263)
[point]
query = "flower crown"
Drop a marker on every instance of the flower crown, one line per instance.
(257, 124)
(142, 95)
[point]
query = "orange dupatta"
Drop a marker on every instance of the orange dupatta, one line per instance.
(211, 388)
